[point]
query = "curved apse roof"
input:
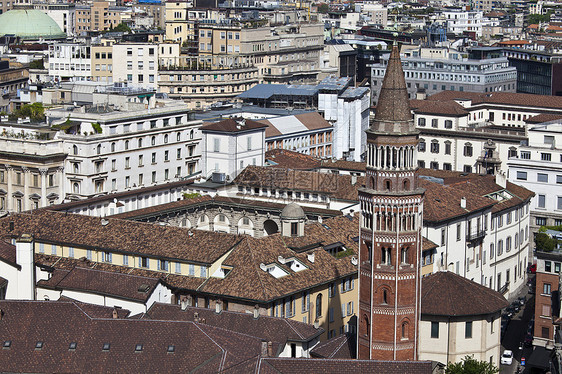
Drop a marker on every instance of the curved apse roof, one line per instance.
(29, 24)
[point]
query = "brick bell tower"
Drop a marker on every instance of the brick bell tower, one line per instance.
(390, 226)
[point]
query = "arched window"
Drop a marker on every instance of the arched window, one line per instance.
(387, 185)
(366, 325)
(98, 149)
(126, 144)
(178, 136)
(319, 305)
(406, 184)
(468, 149)
(404, 255)
(384, 297)
(372, 179)
(165, 138)
(191, 134)
(75, 149)
(153, 140)
(405, 330)
(112, 147)
(76, 187)
(76, 168)
(385, 256)
(140, 143)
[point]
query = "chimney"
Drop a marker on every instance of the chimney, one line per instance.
(264, 348)
(196, 317)
(501, 179)
(256, 311)
(269, 349)
(316, 324)
(26, 275)
(218, 307)
(115, 314)
(463, 202)
(353, 179)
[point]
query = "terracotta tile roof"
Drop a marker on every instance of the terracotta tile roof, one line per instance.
(449, 294)
(3, 282)
(325, 366)
(449, 108)
(120, 236)
(223, 201)
(442, 202)
(544, 117)
(196, 346)
(344, 165)
(502, 98)
(54, 263)
(233, 125)
(110, 283)
(514, 42)
(247, 257)
(428, 244)
(337, 186)
(340, 347)
(278, 330)
(284, 158)
(7, 252)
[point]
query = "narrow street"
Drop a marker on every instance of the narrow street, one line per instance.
(516, 331)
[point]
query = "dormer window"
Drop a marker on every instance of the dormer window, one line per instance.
(39, 345)
(138, 348)
(72, 346)
(106, 347)
(171, 348)
(7, 344)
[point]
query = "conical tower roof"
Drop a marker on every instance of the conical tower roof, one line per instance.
(393, 106)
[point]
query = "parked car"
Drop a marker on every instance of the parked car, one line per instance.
(507, 357)
(522, 300)
(532, 269)
(528, 340)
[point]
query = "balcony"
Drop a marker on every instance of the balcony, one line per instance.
(475, 235)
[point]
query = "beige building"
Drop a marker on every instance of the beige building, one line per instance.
(459, 318)
(99, 16)
(102, 62)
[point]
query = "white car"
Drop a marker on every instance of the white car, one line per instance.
(507, 357)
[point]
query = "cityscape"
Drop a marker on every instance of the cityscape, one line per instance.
(265, 186)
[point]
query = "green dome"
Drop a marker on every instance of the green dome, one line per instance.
(29, 24)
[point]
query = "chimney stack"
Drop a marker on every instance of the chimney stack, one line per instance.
(218, 307)
(184, 302)
(264, 349)
(196, 317)
(256, 311)
(115, 314)
(463, 202)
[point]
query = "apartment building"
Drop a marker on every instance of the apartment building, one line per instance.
(98, 16)
(138, 64)
(70, 61)
(433, 70)
(536, 166)
(102, 62)
(152, 8)
(477, 132)
(464, 22)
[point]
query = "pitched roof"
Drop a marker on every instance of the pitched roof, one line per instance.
(233, 125)
(8, 252)
(195, 345)
(294, 124)
(448, 108)
(448, 294)
(335, 185)
(544, 117)
(340, 347)
(221, 201)
(321, 366)
(278, 330)
(393, 103)
(502, 98)
(110, 283)
(120, 235)
(343, 165)
(284, 158)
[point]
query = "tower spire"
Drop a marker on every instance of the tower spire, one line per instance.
(393, 113)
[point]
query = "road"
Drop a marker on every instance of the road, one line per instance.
(516, 331)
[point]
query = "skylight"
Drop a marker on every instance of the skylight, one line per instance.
(106, 346)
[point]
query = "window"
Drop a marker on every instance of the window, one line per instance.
(448, 124)
(140, 143)
(216, 145)
(434, 146)
(458, 231)
(468, 150)
(435, 330)
(468, 330)
(559, 203)
(203, 272)
(319, 305)
(546, 288)
(421, 122)
(153, 157)
(542, 177)
(421, 146)
(140, 160)
(522, 175)
(541, 201)
(548, 266)
(540, 221)
(163, 265)
(434, 122)
(143, 262)
(448, 148)
(525, 155)
(546, 157)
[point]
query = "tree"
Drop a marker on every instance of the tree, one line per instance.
(544, 242)
(470, 365)
(121, 28)
(35, 112)
(36, 64)
(323, 8)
